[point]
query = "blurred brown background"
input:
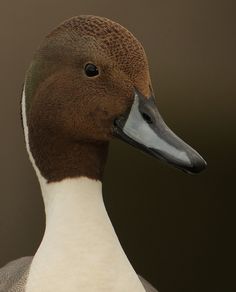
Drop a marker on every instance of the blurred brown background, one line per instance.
(176, 229)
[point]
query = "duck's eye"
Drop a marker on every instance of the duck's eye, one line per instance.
(91, 70)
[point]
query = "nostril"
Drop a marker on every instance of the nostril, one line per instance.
(147, 118)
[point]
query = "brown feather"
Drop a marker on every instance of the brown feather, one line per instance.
(70, 116)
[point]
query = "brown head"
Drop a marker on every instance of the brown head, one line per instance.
(81, 90)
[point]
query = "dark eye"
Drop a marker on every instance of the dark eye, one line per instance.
(91, 70)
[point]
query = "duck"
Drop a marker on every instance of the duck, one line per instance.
(88, 83)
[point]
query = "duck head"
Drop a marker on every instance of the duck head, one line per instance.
(88, 83)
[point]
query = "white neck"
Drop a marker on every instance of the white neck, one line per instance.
(80, 251)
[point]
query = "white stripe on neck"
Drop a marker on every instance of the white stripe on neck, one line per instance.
(80, 251)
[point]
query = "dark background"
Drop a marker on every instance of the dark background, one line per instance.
(176, 229)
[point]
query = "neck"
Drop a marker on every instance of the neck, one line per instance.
(80, 250)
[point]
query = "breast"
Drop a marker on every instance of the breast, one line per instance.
(13, 276)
